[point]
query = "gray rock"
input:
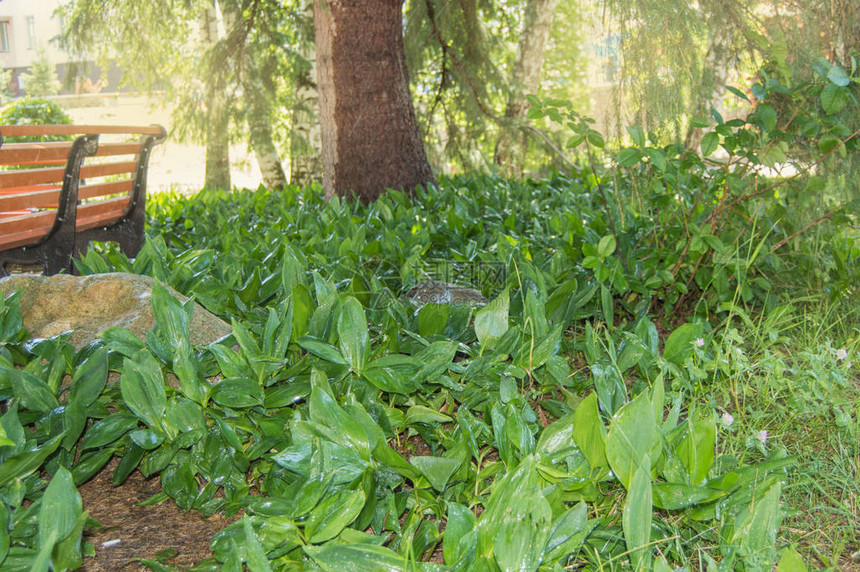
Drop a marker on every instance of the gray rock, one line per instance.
(435, 292)
(88, 305)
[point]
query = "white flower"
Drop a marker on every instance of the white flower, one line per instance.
(841, 354)
(700, 342)
(727, 419)
(762, 436)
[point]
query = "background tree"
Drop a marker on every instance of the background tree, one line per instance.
(41, 80)
(369, 133)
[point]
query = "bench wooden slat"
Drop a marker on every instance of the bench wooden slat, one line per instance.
(101, 213)
(34, 226)
(49, 197)
(57, 153)
(47, 130)
(10, 179)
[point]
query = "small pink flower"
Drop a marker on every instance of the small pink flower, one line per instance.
(841, 354)
(700, 342)
(762, 436)
(727, 419)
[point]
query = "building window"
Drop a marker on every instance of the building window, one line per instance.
(31, 32)
(4, 36)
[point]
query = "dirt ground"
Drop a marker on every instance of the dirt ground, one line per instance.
(172, 165)
(129, 532)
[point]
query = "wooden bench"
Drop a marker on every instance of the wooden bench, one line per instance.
(57, 197)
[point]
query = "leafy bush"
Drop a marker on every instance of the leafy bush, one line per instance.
(34, 111)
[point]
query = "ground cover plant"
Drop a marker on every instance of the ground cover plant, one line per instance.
(646, 388)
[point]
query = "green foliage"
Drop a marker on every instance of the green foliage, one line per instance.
(41, 80)
(34, 111)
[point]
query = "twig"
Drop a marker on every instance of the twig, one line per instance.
(816, 222)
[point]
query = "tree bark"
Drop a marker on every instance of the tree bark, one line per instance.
(257, 99)
(525, 79)
(305, 137)
(370, 136)
(217, 116)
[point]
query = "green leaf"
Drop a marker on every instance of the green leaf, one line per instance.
(90, 378)
(142, 387)
(606, 246)
(437, 470)
(767, 116)
(515, 525)
(696, 446)
(255, 556)
(679, 344)
(5, 541)
(834, 98)
(790, 561)
(460, 522)
(710, 142)
(636, 517)
(491, 321)
(22, 464)
(352, 332)
(332, 515)
(828, 143)
(33, 393)
(629, 157)
(237, 392)
(170, 315)
(589, 432)
(631, 437)
(637, 135)
(322, 350)
(331, 557)
(108, 430)
(757, 524)
(61, 507)
(568, 533)
(838, 76)
(425, 415)
(737, 92)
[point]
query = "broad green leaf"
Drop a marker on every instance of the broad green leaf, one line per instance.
(170, 315)
(637, 135)
(33, 393)
(109, 430)
(437, 470)
(629, 157)
(142, 387)
(606, 246)
(636, 517)
(332, 515)
(255, 556)
(589, 432)
(322, 350)
(331, 557)
(757, 524)
(568, 533)
(828, 142)
(710, 142)
(672, 496)
(696, 447)
(352, 333)
(423, 414)
(61, 507)
(5, 541)
(24, 463)
(834, 98)
(515, 525)
(838, 76)
(679, 344)
(237, 392)
(790, 561)
(460, 522)
(491, 321)
(632, 435)
(90, 378)
(122, 341)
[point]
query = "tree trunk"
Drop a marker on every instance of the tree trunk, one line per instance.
(537, 24)
(260, 124)
(369, 133)
(305, 137)
(217, 115)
